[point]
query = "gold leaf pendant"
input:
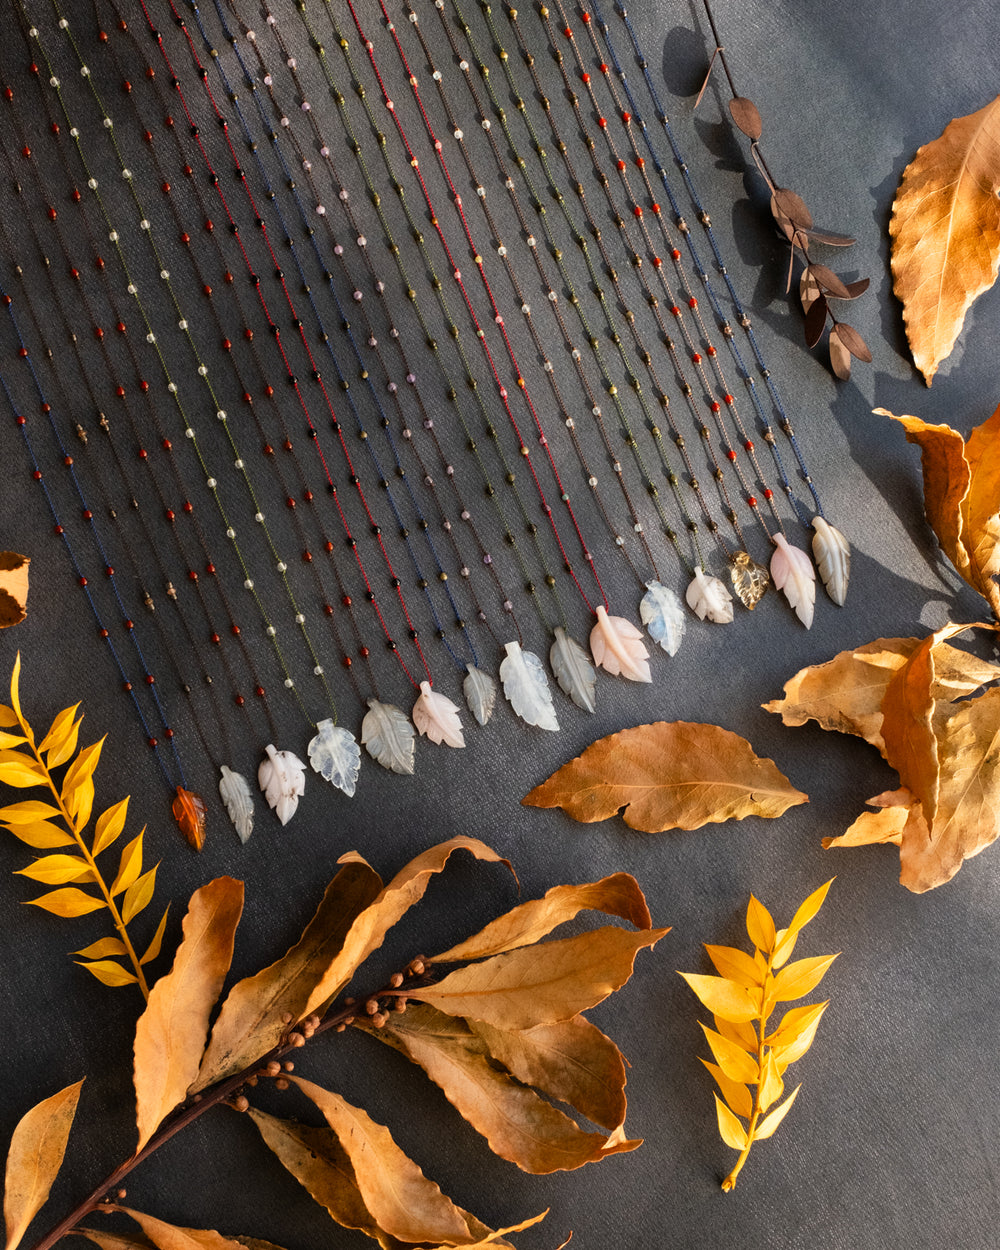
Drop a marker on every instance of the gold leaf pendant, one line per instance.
(749, 579)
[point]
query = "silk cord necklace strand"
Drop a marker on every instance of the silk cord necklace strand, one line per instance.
(830, 548)
(325, 339)
(654, 605)
(616, 643)
(566, 655)
(371, 339)
(281, 774)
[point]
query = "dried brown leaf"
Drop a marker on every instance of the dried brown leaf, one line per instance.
(253, 1016)
(171, 1237)
(809, 291)
(519, 1125)
(368, 930)
(945, 233)
(907, 729)
(171, 1032)
(828, 282)
(840, 355)
(815, 321)
(746, 117)
(571, 1061)
(399, 1196)
(318, 1161)
(793, 207)
(853, 341)
(967, 814)
(980, 510)
(854, 289)
(541, 984)
(845, 694)
(668, 775)
(13, 588)
(886, 824)
(114, 1241)
(617, 895)
(36, 1153)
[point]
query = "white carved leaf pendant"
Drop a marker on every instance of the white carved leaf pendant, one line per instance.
(661, 612)
(573, 670)
(480, 692)
(235, 791)
(436, 717)
(334, 754)
(709, 597)
(795, 577)
(527, 687)
(832, 553)
(282, 777)
(388, 737)
(616, 645)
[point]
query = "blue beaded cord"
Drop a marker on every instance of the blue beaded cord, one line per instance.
(741, 314)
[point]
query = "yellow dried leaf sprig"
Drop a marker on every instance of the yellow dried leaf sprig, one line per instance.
(78, 883)
(746, 1049)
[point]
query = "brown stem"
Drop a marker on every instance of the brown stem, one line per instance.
(197, 1105)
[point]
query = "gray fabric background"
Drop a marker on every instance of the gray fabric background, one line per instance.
(892, 1142)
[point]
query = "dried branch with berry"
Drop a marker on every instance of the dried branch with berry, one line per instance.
(496, 1021)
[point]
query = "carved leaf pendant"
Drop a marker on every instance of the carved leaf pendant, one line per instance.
(832, 553)
(235, 791)
(616, 645)
(436, 717)
(334, 754)
(389, 737)
(480, 692)
(795, 577)
(573, 670)
(189, 811)
(707, 596)
(282, 777)
(749, 579)
(527, 688)
(661, 612)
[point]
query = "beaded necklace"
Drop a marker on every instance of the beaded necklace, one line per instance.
(233, 788)
(345, 387)
(520, 671)
(399, 756)
(830, 548)
(433, 713)
(749, 579)
(785, 560)
(476, 679)
(569, 662)
(281, 775)
(656, 608)
(616, 643)
(660, 608)
(188, 807)
(371, 339)
(127, 547)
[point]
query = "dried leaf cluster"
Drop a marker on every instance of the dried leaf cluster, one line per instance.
(962, 496)
(909, 698)
(78, 883)
(742, 999)
(945, 233)
(819, 286)
(496, 1021)
(13, 588)
(668, 775)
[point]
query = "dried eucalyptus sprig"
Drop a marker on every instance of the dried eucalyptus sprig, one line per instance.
(741, 1000)
(818, 284)
(80, 885)
(496, 1021)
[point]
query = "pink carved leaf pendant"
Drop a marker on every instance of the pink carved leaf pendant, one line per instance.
(795, 577)
(436, 717)
(617, 646)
